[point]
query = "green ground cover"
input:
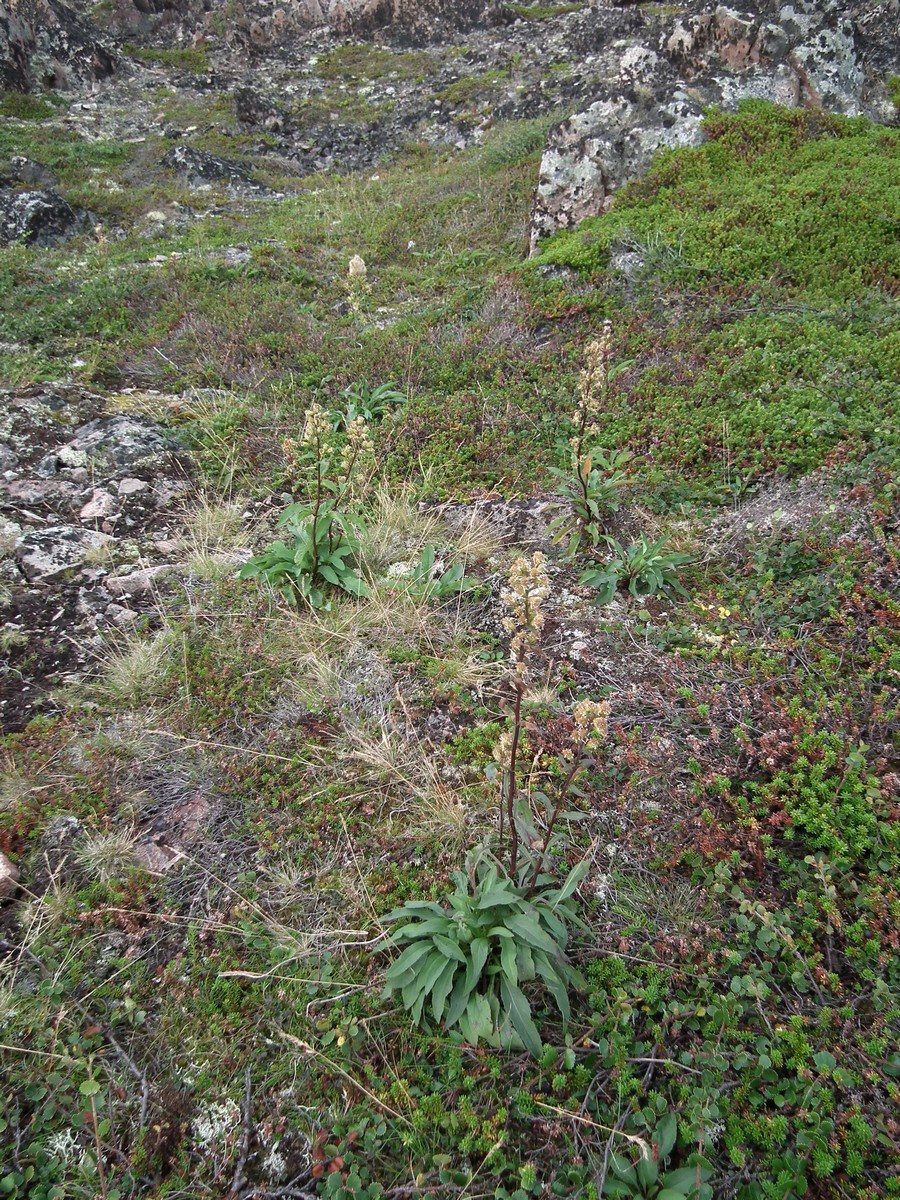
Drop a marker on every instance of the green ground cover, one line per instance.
(738, 1010)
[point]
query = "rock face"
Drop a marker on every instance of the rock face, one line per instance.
(39, 217)
(45, 44)
(262, 25)
(811, 54)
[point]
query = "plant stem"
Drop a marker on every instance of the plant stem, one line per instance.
(316, 506)
(101, 1179)
(539, 865)
(511, 785)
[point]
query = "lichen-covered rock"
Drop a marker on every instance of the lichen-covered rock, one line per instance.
(594, 152)
(9, 877)
(39, 217)
(47, 553)
(123, 441)
(199, 169)
(45, 44)
(809, 53)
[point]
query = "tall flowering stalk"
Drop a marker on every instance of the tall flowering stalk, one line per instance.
(591, 726)
(593, 391)
(529, 586)
(314, 436)
(594, 477)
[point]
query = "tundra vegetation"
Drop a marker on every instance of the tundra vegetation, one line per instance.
(568, 871)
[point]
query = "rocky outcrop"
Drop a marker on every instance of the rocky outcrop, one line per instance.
(201, 170)
(265, 25)
(26, 170)
(45, 44)
(39, 217)
(811, 53)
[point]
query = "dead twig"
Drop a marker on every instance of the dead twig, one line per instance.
(237, 1178)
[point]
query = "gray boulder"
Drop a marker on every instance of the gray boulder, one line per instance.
(199, 169)
(40, 217)
(48, 553)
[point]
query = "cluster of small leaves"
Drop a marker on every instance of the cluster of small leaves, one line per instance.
(468, 959)
(645, 1179)
(425, 583)
(645, 568)
(370, 403)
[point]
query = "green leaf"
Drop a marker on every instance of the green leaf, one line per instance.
(479, 949)
(435, 925)
(495, 896)
(525, 963)
(622, 1168)
(413, 905)
(329, 575)
(616, 1187)
(519, 1013)
(432, 970)
(573, 879)
(449, 948)
(647, 1171)
(529, 930)
(476, 1022)
(459, 999)
(555, 986)
(684, 1179)
(671, 1194)
(665, 1135)
(441, 990)
(412, 994)
(90, 1087)
(508, 961)
(410, 956)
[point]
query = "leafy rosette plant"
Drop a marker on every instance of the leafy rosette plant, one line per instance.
(592, 492)
(304, 570)
(464, 963)
(645, 568)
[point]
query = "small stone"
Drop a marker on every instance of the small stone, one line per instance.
(130, 487)
(47, 467)
(9, 877)
(137, 583)
(120, 615)
(101, 504)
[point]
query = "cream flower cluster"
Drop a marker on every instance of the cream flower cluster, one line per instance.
(529, 586)
(316, 427)
(591, 719)
(593, 384)
(358, 445)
